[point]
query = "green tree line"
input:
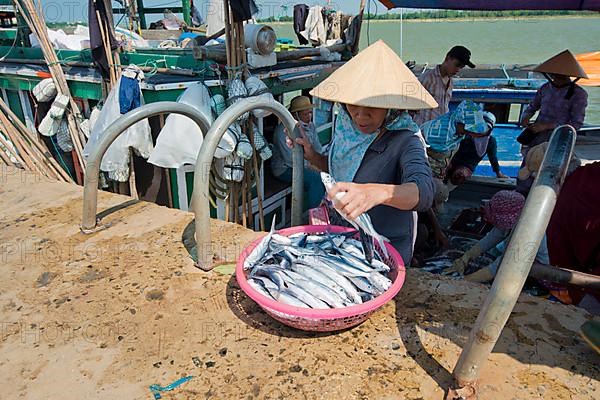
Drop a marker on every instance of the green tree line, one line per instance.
(453, 14)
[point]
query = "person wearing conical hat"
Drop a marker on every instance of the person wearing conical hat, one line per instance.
(559, 101)
(377, 155)
(301, 109)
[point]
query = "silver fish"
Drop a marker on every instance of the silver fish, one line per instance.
(341, 266)
(292, 287)
(363, 221)
(284, 294)
(340, 280)
(259, 251)
(380, 282)
(318, 290)
(259, 287)
(318, 276)
(363, 284)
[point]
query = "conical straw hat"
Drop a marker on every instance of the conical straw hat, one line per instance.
(563, 63)
(376, 77)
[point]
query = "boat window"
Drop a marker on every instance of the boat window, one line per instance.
(515, 113)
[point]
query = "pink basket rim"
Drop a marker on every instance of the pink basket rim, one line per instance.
(331, 313)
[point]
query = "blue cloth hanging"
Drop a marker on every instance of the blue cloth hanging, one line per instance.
(129, 94)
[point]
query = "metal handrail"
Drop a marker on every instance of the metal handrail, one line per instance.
(518, 258)
(200, 195)
(90, 186)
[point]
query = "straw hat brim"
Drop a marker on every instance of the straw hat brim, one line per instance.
(563, 63)
(376, 77)
(301, 108)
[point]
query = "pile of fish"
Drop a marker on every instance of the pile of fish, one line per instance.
(316, 271)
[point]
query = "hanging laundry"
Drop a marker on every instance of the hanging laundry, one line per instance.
(300, 14)
(51, 122)
(315, 27)
(352, 31)
(96, 41)
(129, 90)
(242, 10)
(337, 22)
(63, 136)
(233, 168)
(137, 137)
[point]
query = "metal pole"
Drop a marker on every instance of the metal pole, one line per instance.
(518, 258)
(200, 196)
(401, 31)
(90, 185)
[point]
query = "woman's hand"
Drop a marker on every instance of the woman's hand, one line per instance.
(359, 197)
(309, 151)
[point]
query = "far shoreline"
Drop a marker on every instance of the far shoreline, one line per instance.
(466, 19)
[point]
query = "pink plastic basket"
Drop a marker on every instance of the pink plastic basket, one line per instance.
(321, 320)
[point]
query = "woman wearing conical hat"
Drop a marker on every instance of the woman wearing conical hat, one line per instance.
(377, 154)
(559, 101)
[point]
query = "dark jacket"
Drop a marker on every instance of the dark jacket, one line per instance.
(398, 157)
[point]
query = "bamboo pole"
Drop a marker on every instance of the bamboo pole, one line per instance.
(10, 150)
(261, 215)
(361, 11)
(248, 171)
(244, 187)
(36, 24)
(15, 139)
(5, 158)
(38, 145)
(132, 186)
(27, 143)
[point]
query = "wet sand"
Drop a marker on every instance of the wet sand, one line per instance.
(103, 316)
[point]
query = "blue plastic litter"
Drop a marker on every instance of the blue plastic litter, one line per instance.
(156, 389)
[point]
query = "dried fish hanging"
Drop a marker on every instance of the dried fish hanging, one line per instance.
(239, 176)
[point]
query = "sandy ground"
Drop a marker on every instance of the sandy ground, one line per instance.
(103, 316)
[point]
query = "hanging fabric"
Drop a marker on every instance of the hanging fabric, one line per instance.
(96, 40)
(242, 10)
(129, 90)
(300, 14)
(315, 27)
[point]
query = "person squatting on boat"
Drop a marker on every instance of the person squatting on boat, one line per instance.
(559, 101)
(301, 109)
(377, 156)
(443, 136)
(471, 151)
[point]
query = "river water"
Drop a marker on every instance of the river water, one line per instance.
(493, 41)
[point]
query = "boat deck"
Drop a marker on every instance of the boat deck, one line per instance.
(108, 314)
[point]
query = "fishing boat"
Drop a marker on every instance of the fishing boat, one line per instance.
(260, 199)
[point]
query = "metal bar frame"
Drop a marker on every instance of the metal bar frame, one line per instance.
(90, 186)
(200, 196)
(518, 259)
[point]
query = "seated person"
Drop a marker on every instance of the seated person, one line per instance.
(471, 151)
(281, 163)
(559, 101)
(573, 234)
(502, 211)
(443, 136)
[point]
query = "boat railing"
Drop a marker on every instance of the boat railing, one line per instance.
(518, 258)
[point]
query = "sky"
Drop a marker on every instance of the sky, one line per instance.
(76, 10)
